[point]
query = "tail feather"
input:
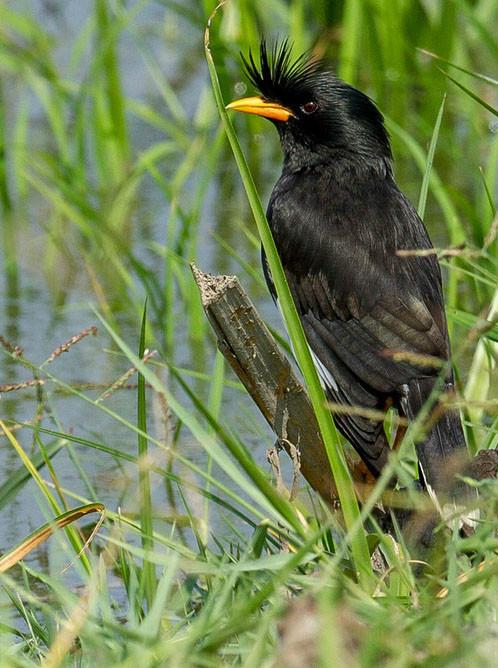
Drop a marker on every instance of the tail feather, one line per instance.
(442, 453)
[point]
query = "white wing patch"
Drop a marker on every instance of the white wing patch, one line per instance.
(326, 378)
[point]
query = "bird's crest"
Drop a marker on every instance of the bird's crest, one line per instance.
(278, 73)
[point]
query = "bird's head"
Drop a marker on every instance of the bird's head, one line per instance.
(315, 113)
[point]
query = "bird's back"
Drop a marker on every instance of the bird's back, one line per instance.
(374, 318)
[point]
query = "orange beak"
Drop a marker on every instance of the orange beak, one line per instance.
(260, 107)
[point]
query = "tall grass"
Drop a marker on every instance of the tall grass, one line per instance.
(111, 182)
(338, 466)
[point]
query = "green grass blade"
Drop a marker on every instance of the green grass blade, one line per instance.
(430, 159)
(73, 536)
(350, 44)
(148, 571)
(335, 454)
(263, 492)
(16, 480)
(481, 372)
(471, 94)
(476, 75)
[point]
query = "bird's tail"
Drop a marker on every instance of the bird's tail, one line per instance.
(442, 452)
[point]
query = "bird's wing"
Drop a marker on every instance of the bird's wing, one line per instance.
(374, 320)
(357, 356)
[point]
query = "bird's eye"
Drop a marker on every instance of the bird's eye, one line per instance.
(309, 107)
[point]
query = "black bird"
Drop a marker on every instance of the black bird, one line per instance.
(374, 318)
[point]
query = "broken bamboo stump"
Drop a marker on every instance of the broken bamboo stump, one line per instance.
(252, 352)
(267, 375)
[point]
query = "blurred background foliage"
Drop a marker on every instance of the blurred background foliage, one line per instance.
(114, 175)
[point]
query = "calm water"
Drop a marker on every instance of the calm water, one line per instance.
(32, 318)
